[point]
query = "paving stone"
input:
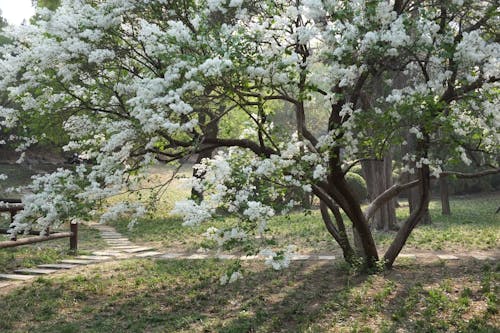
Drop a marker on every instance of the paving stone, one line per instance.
(447, 257)
(326, 257)
(94, 257)
(172, 255)
(198, 256)
(107, 253)
(300, 257)
(121, 243)
(77, 261)
(4, 284)
(35, 271)
(148, 254)
(225, 256)
(16, 277)
(482, 257)
(115, 238)
(139, 249)
(407, 256)
(125, 247)
(57, 266)
(249, 257)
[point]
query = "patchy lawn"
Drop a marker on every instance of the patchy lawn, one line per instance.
(473, 225)
(185, 296)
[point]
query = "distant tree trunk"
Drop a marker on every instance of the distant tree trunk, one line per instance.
(210, 130)
(415, 194)
(378, 176)
(445, 195)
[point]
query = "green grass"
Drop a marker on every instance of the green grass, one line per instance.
(184, 296)
(473, 225)
(47, 252)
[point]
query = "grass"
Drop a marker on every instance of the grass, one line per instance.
(185, 296)
(473, 225)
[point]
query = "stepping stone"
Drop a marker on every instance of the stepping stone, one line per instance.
(121, 243)
(407, 256)
(148, 254)
(17, 277)
(225, 256)
(139, 249)
(35, 271)
(325, 257)
(447, 257)
(107, 253)
(198, 256)
(481, 257)
(94, 257)
(300, 257)
(77, 261)
(249, 257)
(57, 266)
(4, 284)
(172, 255)
(121, 248)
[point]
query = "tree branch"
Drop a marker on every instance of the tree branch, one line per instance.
(386, 196)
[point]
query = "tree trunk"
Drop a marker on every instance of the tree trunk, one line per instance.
(416, 216)
(378, 175)
(445, 195)
(415, 194)
(210, 130)
(352, 207)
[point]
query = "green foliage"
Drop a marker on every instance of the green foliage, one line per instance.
(50, 4)
(357, 169)
(358, 185)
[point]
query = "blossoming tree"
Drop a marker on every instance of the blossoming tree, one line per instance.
(140, 81)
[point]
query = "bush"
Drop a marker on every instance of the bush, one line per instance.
(357, 169)
(358, 185)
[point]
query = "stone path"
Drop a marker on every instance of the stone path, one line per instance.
(120, 247)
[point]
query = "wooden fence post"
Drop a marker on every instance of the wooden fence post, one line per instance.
(73, 240)
(13, 236)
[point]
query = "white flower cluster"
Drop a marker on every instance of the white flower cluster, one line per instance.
(278, 260)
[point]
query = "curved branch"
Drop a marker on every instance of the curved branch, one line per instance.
(470, 175)
(386, 196)
(243, 143)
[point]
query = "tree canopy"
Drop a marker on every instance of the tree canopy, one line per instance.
(141, 81)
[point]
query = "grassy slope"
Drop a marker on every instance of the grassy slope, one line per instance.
(181, 296)
(473, 226)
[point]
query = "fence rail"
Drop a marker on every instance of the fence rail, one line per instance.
(13, 206)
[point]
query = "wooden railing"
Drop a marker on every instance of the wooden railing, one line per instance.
(13, 206)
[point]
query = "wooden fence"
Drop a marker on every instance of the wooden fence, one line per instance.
(13, 206)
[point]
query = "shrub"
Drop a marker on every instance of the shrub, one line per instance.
(358, 185)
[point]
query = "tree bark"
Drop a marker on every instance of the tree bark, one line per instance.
(210, 131)
(415, 194)
(445, 197)
(378, 176)
(415, 217)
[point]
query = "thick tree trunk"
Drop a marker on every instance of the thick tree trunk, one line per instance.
(445, 195)
(415, 194)
(360, 225)
(408, 226)
(337, 230)
(378, 175)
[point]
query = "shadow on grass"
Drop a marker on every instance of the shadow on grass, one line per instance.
(172, 296)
